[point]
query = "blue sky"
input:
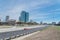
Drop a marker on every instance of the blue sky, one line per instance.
(39, 10)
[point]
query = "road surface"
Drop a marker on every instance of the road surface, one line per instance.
(15, 32)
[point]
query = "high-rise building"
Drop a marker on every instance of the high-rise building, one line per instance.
(0, 20)
(41, 22)
(53, 23)
(7, 18)
(24, 16)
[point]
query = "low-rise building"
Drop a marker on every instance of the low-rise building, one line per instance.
(12, 22)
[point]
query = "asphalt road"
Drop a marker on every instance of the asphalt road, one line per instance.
(13, 34)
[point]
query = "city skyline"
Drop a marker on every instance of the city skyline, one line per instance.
(40, 10)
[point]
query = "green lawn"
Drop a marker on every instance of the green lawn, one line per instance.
(57, 27)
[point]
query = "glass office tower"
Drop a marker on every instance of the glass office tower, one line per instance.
(24, 16)
(7, 18)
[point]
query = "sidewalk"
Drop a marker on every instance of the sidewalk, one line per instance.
(21, 38)
(49, 34)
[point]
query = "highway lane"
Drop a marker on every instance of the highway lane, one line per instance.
(13, 34)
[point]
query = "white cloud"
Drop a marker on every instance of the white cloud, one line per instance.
(30, 5)
(39, 16)
(36, 4)
(55, 10)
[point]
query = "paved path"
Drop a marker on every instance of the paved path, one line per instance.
(18, 28)
(13, 32)
(22, 37)
(49, 34)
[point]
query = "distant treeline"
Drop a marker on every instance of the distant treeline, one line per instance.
(57, 24)
(18, 23)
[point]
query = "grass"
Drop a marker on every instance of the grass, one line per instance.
(5, 26)
(57, 27)
(45, 28)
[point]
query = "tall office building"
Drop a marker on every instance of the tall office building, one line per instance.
(53, 23)
(0, 20)
(24, 16)
(7, 18)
